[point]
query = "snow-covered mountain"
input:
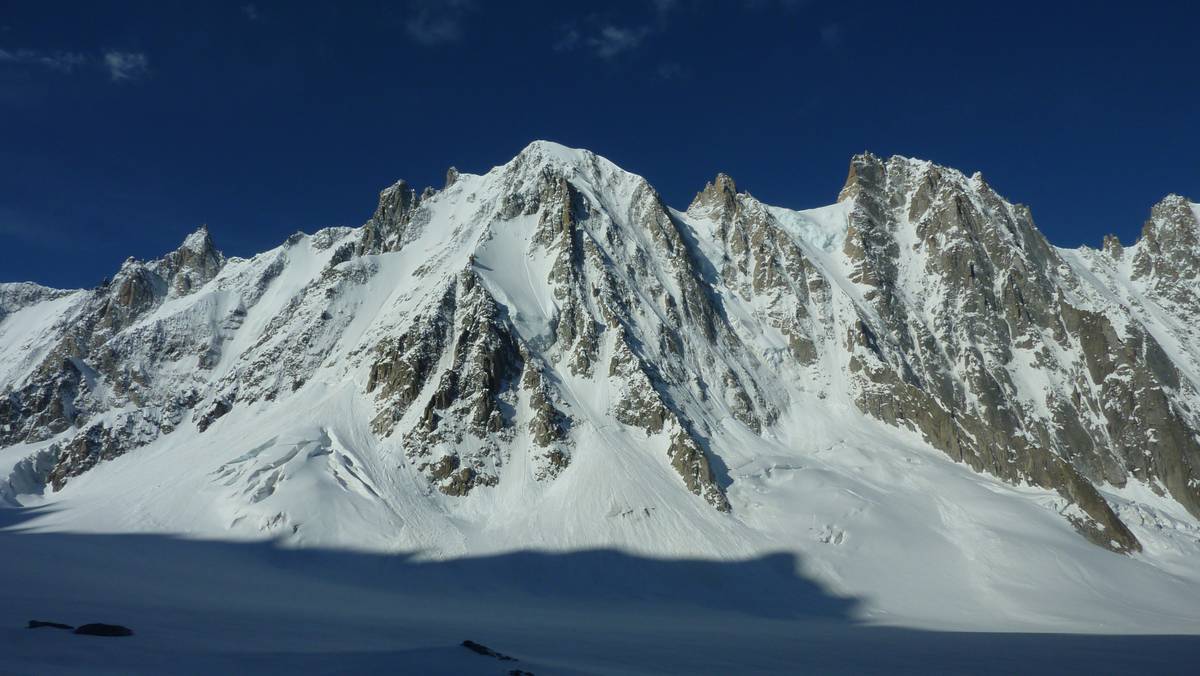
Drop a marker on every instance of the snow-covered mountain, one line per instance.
(910, 387)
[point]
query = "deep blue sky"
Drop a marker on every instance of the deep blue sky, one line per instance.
(124, 126)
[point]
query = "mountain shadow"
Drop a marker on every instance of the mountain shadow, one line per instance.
(202, 607)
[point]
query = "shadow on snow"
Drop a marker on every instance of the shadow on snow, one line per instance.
(211, 606)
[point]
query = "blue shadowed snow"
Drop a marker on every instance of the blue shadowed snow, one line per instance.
(204, 607)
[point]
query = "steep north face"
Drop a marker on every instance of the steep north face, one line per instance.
(555, 308)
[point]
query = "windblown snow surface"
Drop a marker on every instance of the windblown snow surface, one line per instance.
(290, 537)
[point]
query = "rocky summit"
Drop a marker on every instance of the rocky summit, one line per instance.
(547, 355)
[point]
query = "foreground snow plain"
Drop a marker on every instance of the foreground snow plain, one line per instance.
(206, 607)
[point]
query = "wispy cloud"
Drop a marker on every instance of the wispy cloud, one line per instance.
(568, 40)
(250, 11)
(608, 39)
(785, 5)
(436, 22)
(670, 70)
(831, 35)
(605, 40)
(63, 62)
(611, 41)
(123, 66)
(664, 7)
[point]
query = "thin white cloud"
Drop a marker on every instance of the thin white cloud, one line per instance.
(124, 66)
(607, 40)
(831, 35)
(434, 22)
(119, 65)
(671, 71)
(663, 7)
(250, 11)
(568, 40)
(63, 62)
(611, 41)
(785, 5)
(433, 30)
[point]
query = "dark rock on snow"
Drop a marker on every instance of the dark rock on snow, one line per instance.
(37, 624)
(481, 649)
(100, 629)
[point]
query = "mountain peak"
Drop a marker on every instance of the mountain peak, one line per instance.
(1112, 246)
(549, 152)
(719, 193)
(193, 264)
(199, 241)
(400, 186)
(1176, 208)
(1175, 198)
(1174, 215)
(866, 171)
(1169, 248)
(871, 173)
(539, 156)
(725, 183)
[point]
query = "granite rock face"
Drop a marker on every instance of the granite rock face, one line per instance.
(19, 295)
(992, 295)
(102, 355)
(961, 300)
(479, 332)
